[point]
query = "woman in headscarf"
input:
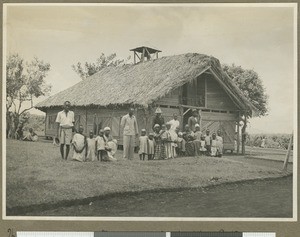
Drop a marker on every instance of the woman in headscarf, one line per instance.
(110, 146)
(189, 137)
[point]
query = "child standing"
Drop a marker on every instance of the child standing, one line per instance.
(100, 145)
(213, 146)
(143, 144)
(219, 144)
(197, 137)
(202, 146)
(91, 147)
(207, 142)
(170, 145)
(180, 145)
(166, 142)
(151, 146)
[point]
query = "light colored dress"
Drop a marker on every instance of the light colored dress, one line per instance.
(219, 145)
(151, 147)
(143, 145)
(174, 138)
(207, 140)
(100, 143)
(202, 145)
(197, 141)
(91, 144)
(166, 137)
(213, 147)
(111, 144)
(78, 142)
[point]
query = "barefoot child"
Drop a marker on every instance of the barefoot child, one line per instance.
(207, 142)
(219, 144)
(213, 145)
(158, 142)
(182, 143)
(170, 153)
(100, 145)
(179, 148)
(91, 147)
(151, 146)
(143, 144)
(202, 146)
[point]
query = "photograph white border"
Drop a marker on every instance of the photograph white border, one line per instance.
(225, 219)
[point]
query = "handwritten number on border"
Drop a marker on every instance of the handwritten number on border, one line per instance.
(11, 233)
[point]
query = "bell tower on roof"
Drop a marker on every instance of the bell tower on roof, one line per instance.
(144, 53)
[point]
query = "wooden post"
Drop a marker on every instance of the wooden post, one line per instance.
(243, 135)
(285, 164)
(148, 54)
(134, 57)
(143, 55)
(200, 119)
(238, 140)
(181, 115)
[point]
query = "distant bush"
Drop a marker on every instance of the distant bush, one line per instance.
(280, 141)
(37, 122)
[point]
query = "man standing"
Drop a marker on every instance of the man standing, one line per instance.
(174, 123)
(65, 120)
(158, 119)
(193, 120)
(130, 131)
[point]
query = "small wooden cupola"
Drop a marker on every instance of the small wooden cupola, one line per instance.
(144, 52)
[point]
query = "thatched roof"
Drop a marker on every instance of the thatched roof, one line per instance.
(144, 83)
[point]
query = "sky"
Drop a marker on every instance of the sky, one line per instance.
(258, 37)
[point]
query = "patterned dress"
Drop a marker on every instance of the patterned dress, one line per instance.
(158, 143)
(190, 146)
(166, 138)
(197, 142)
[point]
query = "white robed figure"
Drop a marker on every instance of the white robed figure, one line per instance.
(91, 147)
(110, 146)
(79, 145)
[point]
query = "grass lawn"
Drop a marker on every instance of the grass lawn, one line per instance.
(35, 174)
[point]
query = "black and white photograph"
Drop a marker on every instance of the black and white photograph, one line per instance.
(150, 111)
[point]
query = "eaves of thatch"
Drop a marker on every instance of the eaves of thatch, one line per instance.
(144, 83)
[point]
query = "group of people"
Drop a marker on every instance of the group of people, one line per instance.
(102, 148)
(29, 136)
(165, 141)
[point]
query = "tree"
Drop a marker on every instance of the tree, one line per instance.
(24, 82)
(251, 85)
(101, 62)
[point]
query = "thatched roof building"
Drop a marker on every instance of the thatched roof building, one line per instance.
(177, 84)
(144, 83)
